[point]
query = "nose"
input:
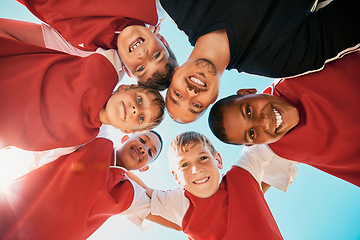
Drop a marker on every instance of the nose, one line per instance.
(142, 150)
(135, 110)
(143, 53)
(192, 92)
(196, 169)
(264, 122)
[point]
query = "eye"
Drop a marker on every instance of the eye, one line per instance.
(184, 165)
(196, 105)
(251, 134)
(157, 55)
(140, 100)
(178, 94)
(141, 118)
(248, 110)
(203, 158)
(141, 140)
(150, 153)
(139, 69)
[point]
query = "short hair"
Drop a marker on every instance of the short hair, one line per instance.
(158, 101)
(161, 143)
(186, 140)
(161, 80)
(216, 114)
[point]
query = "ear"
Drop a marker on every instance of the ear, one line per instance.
(124, 139)
(176, 177)
(123, 87)
(219, 159)
(143, 169)
(162, 39)
(246, 91)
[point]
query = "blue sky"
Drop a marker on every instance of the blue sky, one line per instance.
(316, 206)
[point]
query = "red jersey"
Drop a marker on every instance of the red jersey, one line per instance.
(328, 134)
(68, 198)
(239, 208)
(50, 99)
(89, 24)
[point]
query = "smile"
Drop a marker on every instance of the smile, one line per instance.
(137, 157)
(136, 44)
(278, 118)
(201, 180)
(124, 110)
(197, 81)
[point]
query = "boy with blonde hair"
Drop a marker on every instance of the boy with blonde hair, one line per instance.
(42, 109)
(206, 208)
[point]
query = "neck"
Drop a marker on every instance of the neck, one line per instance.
(103, 116)
(215, 47)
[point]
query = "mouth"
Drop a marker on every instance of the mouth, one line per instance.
(135, 154)
(202, 180)
(137, 43)
(124, 110)
(197, 81)
(278, 118)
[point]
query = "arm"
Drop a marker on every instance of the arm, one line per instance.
(27, 32)
(163, 222)
(136, 179)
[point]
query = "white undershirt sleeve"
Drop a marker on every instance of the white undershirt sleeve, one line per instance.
(265, 166)
(171, 204)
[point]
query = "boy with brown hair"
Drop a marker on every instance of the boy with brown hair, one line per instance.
(74, 195)
(49, 104)
(206, 208)
(310, 119)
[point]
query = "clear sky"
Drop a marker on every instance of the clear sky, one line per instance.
(316, 206)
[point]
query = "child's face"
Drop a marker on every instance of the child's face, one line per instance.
(131, 109)
(197, 170)
(194, 86)
(138, 151)
(142, 52)
(258, 119)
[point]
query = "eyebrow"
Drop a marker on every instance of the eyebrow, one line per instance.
(194, 112)
(242, 113)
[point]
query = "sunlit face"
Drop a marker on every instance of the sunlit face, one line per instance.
(197, 170)
(142, 52)
(131, 109)
(138, 151)
(258, 119)
(194, 86)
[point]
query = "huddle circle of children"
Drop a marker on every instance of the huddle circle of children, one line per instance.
(69, 90)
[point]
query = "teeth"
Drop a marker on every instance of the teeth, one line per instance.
(195, 80)
(136, 44)
(201, 181)
(278, 117)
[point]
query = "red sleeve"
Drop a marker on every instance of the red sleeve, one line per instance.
(92, 23)
(50, 99)
(66, 199)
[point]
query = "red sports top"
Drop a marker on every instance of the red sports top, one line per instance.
(68, 198)
(92, 23)
(328, 134)
(49, 99)
(237, 210)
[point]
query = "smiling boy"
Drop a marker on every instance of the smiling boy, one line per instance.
(264, 37)
(209, 207)
(309, 119)
(74, 195)
(144, 54)
(66, 110)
